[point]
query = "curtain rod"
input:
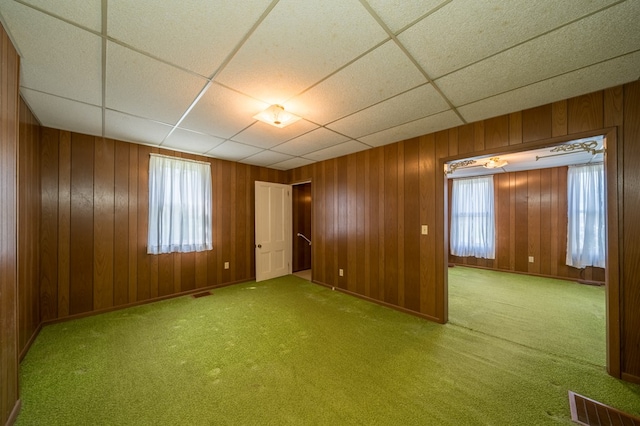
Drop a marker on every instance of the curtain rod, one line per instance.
(153, 154)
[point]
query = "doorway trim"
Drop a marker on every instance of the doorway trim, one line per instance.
(612, 266)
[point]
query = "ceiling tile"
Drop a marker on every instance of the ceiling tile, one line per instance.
(188, 141)
(381, 74)
(409, 106)
(292, 163)
(339, 150)
(222, 112)
(312, 141)
(553, 54)
(58, 58)
(87, 13)
(203, 33)
(423, 126)
(266, 158)
(466, 31)
(139, 85)
(596, 77)
(285, 55)
(134, 129)
(266, 136)
(233, 151)
(63, 114)
(396, 17)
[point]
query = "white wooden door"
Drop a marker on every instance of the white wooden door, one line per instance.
(273, 230)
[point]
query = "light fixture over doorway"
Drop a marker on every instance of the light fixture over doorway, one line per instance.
(495, 163)
(276, 116)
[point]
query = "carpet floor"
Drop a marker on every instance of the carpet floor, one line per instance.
(289, 352)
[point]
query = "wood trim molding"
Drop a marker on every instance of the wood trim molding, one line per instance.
(380, 302)
(14, 413)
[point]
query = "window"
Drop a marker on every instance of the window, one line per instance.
(586, 243)
(472, 218)
(180, 205)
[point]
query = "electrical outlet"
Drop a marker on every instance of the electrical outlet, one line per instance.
(341, 272)
(530, 259)
(226, 265)
(425, 229)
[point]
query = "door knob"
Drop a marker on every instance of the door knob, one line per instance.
(259, 246)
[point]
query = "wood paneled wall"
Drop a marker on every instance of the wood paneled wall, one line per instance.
(9, 65)
(29, 228)
(94, 227)
(368, 207)
(531, 220)
(301, 214)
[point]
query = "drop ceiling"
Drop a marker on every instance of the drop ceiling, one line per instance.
(190, 76)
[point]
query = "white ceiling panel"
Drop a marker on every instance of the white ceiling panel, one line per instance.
(292, 163)
(60, 113)
(265, 136)
(423, 126)
(409, 106)
(339, 150)
(466, 31)
(82, 12)
(141, 86)
(585, 80)
(188, 141)
(134, 129)
(558, 52)
(383, 73)
(202, 35)
(266, 158)
(58, 58)
(222, 112)
(312, 141)
(233, 151)
(298, 44)
(396, 15)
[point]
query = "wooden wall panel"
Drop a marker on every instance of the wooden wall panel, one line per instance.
(81, 259)
(9, 110)
(384, 197)
(121, 224)
(630, 292)
(94, 219)
(103, 223)
(29, 227)
(537, 123)
(411, 231)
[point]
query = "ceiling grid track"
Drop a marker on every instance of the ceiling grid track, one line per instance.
(104, 65)
(221, 67)
(394, 37)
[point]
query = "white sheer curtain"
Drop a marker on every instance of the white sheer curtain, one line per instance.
(180, 205)
(472, 218)
(586, 243)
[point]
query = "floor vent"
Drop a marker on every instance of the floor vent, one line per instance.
(585, 411)
(203, 294)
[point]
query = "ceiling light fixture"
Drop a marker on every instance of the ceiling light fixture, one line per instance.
(276, 116)
(495, 162)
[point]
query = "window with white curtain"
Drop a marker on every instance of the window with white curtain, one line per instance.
(586, 243)
(473, 218)
(180, 205)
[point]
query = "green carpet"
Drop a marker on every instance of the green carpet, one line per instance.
(288, 352)
(556, 316)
